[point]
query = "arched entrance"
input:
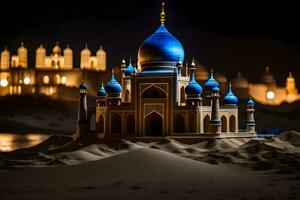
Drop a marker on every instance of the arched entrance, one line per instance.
(232, 123)
(224, 123)
(192, 123)
(153, 125)
(116, 123)
(178, 124)
(206, 124)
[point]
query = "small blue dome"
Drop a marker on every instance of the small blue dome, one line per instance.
(161, 50)
(215, 89)
(129, 70)
(113, 86)
(250, 102)
(211, 83)
(101, 92)
(83, 86)
(230, 98)
(193, 88)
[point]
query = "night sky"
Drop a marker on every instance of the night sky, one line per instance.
(231, 36)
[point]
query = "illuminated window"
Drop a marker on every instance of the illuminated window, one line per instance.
(63, 80)
(26, 80)
(46, 79)
(270, 95)
(3, 82)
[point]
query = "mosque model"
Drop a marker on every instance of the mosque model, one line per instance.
(158, 100)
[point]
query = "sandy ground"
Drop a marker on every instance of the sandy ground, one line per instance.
(216, 169)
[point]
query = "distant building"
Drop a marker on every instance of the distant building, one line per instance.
(53, 74)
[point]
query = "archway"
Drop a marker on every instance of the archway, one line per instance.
(192, 123)
(154, 92)
(224, 123)
(115, 123)
(127, 96)
(232, 123)
(206, 124)
(178, 124)
(130, 122)
(101, 124)
(153, 125)
(182, 95)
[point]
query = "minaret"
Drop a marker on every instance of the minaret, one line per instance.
(5, 59)
(126, 82)
(40, 57)
(101, 59)
(250, 116)
(85, 55)
(193, 90)
(215, 122)
(291, 85)
(68, 58)
(179, 67)
(22, 53)
(82, 121)
(101, 96)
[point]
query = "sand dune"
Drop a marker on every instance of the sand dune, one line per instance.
(215, 169)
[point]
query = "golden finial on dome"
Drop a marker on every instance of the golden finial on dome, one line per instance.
(162, 14)
(229, 85)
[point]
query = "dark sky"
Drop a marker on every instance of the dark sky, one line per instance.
(231, 36)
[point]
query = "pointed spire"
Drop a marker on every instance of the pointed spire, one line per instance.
(193, 65)
(129, 60)
(290, 75)
(68, 46)
(230, 86)
(101, 47)
(22, 44)
(86, 45)
(162, 14)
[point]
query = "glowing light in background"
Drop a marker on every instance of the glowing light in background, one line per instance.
(63, 80)
(26, 80)
(46, 79)
(3, 82)
(270, 95)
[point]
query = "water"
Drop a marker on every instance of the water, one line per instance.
(12, 141)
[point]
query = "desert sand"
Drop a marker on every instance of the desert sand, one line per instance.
(59, 168)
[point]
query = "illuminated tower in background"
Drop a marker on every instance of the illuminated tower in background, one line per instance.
(85, 57)
(40, 57)
(101, 59)
(22, 54)
(68, 58)
(5, 58)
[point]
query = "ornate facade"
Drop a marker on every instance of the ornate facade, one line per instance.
(161, 98)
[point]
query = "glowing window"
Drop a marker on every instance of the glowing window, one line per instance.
(270, 95)
(3, 82)
(63, 80)
(46, 79)
(26, 80)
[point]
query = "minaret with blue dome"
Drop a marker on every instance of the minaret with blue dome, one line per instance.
(101, 96)
(82, 119)
(230, 98)
(250, 116)
(193, 90)
(215, 121)
(126, 82)
(113, 90)
(211, 82)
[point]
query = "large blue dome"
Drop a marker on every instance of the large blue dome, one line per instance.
(113, 86)
(193, 88)
(160, 52)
